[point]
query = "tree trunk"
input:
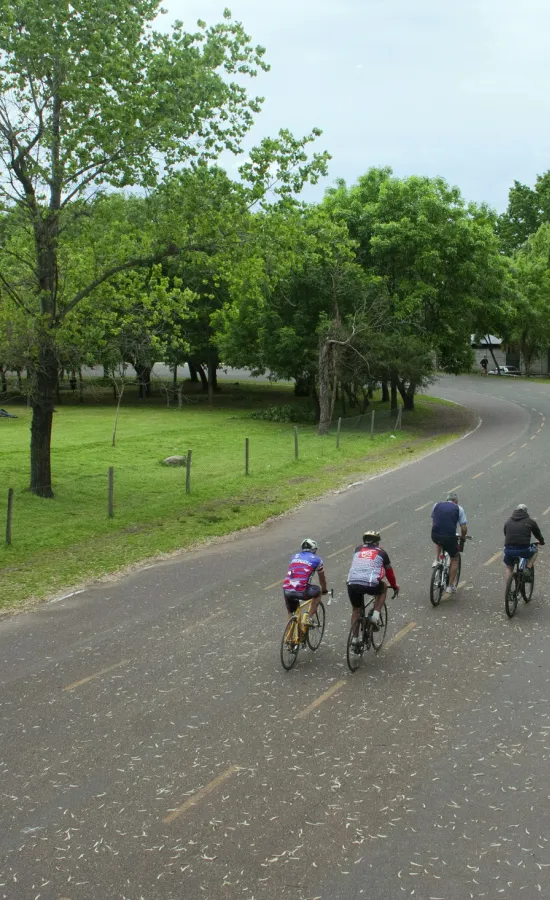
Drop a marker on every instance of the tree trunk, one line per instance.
(42, 403)
(324, 388)
(393, 392)
(202, 375)
(19, 381)
(175, 377)
(497, 367)
(315, 398)
(80, 386)
(407, 394)
(385, 392)
(144, 376)
(4, 381)
(193, 373)
(212, 376)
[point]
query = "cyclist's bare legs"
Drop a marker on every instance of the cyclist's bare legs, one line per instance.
(531, 562)
(381, 599)
(314, 605)
(437, 552)
(509, 570)
(453, 569)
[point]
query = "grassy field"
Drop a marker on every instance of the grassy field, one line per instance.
(62, 542)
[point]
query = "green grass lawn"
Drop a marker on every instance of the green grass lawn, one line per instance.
(62, 542)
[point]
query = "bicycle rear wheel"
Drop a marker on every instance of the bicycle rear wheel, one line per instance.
(436, 585)
(511, 596)
(290, 644)
(354, 652)
(527, 587)
(377, 637)
(316, 631)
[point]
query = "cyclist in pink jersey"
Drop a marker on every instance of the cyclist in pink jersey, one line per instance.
(297, 585)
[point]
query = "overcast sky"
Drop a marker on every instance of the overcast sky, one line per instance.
(458, 88)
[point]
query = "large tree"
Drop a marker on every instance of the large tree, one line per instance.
(528, 208)
(438, 259)
(91, 96)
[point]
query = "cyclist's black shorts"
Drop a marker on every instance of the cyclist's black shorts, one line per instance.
(449, 542)
(356, 592)
(294, 598)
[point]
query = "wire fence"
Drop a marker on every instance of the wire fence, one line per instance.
(153, 488)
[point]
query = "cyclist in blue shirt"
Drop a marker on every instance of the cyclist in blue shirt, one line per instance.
(446, 517)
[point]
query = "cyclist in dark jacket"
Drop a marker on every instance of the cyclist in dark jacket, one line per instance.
(517, 540)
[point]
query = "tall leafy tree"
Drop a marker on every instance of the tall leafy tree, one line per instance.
(91, 96)
(527, 209)
(529, 326)
(438, 259)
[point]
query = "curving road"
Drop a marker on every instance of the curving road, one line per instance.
(153, 749)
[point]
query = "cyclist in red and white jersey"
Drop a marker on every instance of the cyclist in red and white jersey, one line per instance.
(369, 566)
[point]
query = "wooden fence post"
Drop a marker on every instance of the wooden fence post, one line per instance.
(188, 474)
(246, 455)
(338, 433)
(372, 424)
(111, 495)
(295, 442)
(9, 516)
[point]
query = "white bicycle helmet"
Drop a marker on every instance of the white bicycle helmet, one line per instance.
(309, 544)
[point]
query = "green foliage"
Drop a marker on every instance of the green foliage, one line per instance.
(285, 413)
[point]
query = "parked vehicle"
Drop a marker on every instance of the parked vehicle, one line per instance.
(512, 371)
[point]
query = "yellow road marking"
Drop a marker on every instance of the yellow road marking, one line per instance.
(214, 615)
(332, 690)
(546, 511)
(493, 558)
(400, 635)
(496, 464)
(75, 684)
(350, 546)
(200, 794)
(418, 508)
(479, 474)
(275, 583)
(513, 453)
(341, 550)
(125, 662)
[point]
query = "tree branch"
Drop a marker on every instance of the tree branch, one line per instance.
(133, 263)
(14, 295)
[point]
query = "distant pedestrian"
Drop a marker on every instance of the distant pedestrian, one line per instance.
(484, 363)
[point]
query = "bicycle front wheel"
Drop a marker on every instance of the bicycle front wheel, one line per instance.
(290, 644)
(511, 596)
(316, 631)
(354, 652)
(377, 637)
(436, 585)
(527, 587)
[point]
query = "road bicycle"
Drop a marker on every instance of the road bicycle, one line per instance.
(520, 583)
(363, 634)
(297, 635)
(440, 573)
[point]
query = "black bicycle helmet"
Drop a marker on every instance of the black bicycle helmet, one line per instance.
(372, 536)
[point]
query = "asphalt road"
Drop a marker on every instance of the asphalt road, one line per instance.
(152, 748)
